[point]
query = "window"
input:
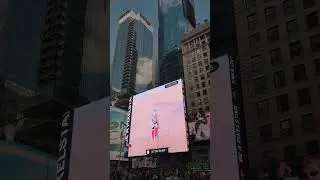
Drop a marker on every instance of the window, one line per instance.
(198, 94)
(194, 65)
(254, 40)
(199, 102)
(204, 92)
(207, 108)
(202, 77)
(260, 84)
(283, 103)
(191, 87)
(206, 100)
(286, 128)
(308, 123)
(292, 27)
(269, 157)
(273, 34)
(299, 73)
(266, 133)
(289, 152)
(203, 84)
(275, 56)
(289, 7)
(279, 79)
(315, 43)
(195, 72)
(312, 147)
(304, 97)
(256, 63)
(252, 21)
(263, 109)
(196, 79)
(317, 66)
(200, 63)
(312, 20)
(296, 50)
(206, 61)
(197, 86)
(270, 14)
(193, 103)
(251, 3)
(308, 3)
(205, 54)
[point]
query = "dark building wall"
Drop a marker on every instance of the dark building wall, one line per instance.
(21, 41)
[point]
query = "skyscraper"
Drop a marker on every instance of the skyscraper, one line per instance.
(73, 57)
(132, 62)
(176, 17)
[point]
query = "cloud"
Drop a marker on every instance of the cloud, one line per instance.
(144, 71)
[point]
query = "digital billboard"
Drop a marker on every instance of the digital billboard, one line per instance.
(118, 150)
(157, 122)
(199, 126)
(84, 142)
(226, 125)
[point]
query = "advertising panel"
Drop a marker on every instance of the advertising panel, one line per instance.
(117, 148)
(157, 121)
(227, 126)
(199, 126)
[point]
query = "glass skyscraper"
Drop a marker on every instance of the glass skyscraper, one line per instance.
(132, 63)
(172, 26)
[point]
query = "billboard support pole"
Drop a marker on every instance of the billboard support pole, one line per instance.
(120, 152)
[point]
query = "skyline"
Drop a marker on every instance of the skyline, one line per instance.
(150, 10)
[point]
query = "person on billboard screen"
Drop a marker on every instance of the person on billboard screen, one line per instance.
(202, 128)
(155, 125)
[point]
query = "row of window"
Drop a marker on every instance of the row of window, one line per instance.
(279, 77)
(197, 42)
(282, 103)
(308, 125)
(289, 152)
(273, 36)
(270, 13)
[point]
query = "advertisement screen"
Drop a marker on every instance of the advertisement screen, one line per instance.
(157, 121)
(226, 122)
(117, 148)
(199, 126)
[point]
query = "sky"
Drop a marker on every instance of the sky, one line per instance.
(149, 8)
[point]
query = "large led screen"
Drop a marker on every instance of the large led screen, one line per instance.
(117, 148)
(157, 121)
(199, 126)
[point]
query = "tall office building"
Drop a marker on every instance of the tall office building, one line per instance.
(195, 55)
(132, 63)
(176, 17)
(20, 40)
(278, 46)
(60, 50)
(72, 58)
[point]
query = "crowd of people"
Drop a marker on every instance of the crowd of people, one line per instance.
(158, 174)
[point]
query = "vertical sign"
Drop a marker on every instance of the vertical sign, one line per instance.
(65, 145)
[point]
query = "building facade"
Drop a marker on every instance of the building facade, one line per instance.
(133, 64)
(21, 40)
(278, 47)
(173, 24)
(195, 55)
(73, 60)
